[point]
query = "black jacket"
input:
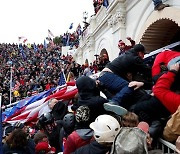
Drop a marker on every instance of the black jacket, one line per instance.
(93, 148)
(130, 62)
(59, 110)
(89, 95)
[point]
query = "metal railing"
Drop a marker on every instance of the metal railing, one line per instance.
(166, 146)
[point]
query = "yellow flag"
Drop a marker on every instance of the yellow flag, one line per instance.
(29, 45)
(68, 77)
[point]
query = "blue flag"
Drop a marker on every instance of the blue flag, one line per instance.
(71, 26)
(22, 52)
(105, 3)
(62, 79)
(1, 132)
(35, 48)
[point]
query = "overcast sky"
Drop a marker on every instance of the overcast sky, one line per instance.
(33, 18)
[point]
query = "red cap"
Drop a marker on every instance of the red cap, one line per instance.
(143, 126)
(44, 146)
(121, 43)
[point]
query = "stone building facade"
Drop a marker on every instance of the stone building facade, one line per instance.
(129, 18)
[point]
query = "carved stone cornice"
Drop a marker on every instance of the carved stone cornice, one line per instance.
(110, 22)
(90, 42)
(118, 18)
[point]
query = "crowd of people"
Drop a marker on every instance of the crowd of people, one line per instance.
(33, 71)
(96, 124)
(37, 69)
(140, 101)
(71, 39)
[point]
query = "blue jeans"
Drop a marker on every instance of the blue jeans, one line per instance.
(115, 83)
(157, 2)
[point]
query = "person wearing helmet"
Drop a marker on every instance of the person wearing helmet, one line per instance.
(82, 133)
(105, 129)
(47, 122)
(68, 125)
(123, 47)
(51, 129)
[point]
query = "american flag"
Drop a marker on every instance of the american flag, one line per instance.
(50, 34)
(16, 86)
(22, 39)
(30, 109)
(34, 93)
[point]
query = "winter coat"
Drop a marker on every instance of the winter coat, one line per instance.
(93, 148)
(162, 58)
(89, 95)
(77, 139)
(129, 62)
(161, 90)
(127, 47)
(59, 110)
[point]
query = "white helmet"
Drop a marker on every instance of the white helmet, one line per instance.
(105, 128)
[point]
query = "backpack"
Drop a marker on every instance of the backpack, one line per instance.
(130, 140)
(172, 128)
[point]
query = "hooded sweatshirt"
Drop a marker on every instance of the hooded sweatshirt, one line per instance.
(77, 139)
(89, 95)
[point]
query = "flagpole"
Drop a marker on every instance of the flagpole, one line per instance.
(64, 76)
(1, 124)
(10, 85)
(0, 99)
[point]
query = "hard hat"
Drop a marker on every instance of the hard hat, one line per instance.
(105, 128)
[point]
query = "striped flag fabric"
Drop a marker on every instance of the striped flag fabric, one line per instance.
(13, 110)
(34, 93)
(22, 39)
(50, 34)
(16, 86)
(29, 110)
